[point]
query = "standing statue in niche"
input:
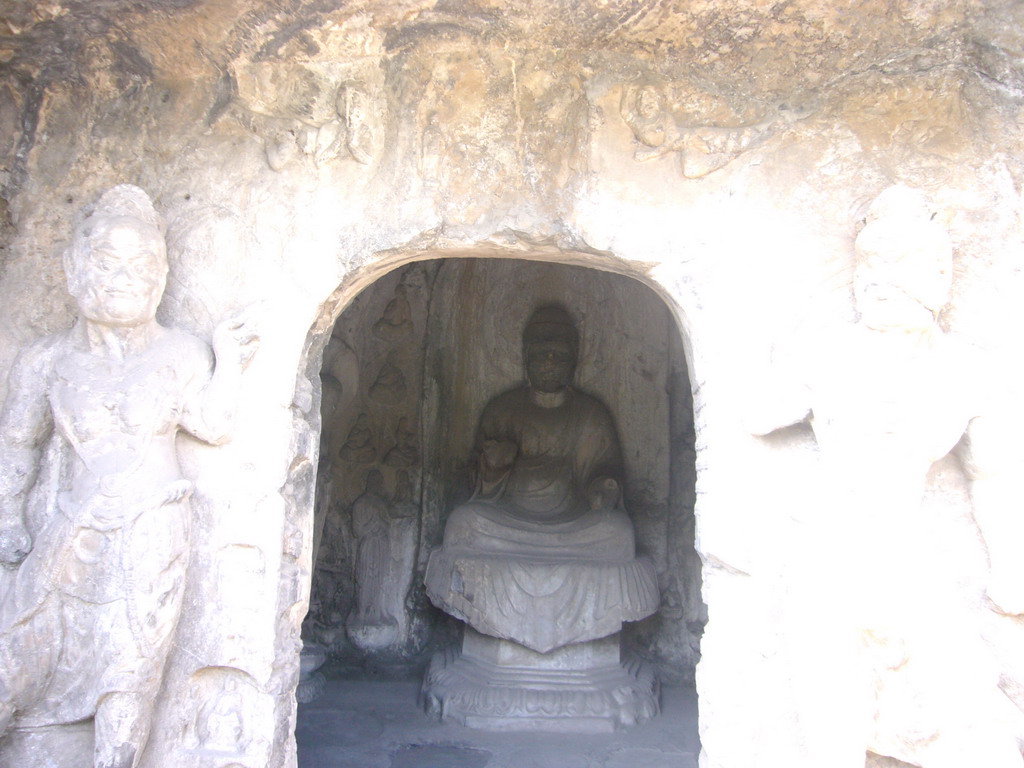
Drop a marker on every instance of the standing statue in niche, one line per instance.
(887, 397)
(432, 152)
(94, 511)
(354, 107)
(541, 561)
(369, 529)
(385, 535)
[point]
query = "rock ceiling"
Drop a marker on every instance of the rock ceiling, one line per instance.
(770, 40)
(116, 63)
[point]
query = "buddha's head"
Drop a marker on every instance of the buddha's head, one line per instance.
(904, 263)
(550, 348)
(116, 265)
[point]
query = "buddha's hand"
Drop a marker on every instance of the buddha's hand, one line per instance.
(498, 455)
(235, 341)
(15, 543)
(603, 493)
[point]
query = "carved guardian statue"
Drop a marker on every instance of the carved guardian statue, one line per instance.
(94, 510)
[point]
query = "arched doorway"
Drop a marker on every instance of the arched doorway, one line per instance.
(411, 361)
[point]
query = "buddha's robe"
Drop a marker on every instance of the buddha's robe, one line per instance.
(539, 504)
(529, 557)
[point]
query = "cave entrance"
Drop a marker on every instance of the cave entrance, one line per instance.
(411, 363)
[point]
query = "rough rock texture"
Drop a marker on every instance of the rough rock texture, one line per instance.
(302, 149)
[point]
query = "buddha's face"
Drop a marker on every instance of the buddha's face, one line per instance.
(550, 365)
(119, 278)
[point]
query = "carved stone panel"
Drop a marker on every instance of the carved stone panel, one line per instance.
(91, 615)
(364, 607)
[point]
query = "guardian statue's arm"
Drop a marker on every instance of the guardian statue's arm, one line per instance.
(212, 400)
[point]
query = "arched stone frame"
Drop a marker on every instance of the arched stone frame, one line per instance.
(387, 262)
(745, 656)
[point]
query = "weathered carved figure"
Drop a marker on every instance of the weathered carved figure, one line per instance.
(405, 452)
(350, 131)
(94, 511)
(385, 537)
(220, 726)
(390, 386)
(543, 555)
(354, 108)
(702, 149)
(397, 317)
(887, 397)
(358, 447)
(281, 147)
(370, 529)
(432, 151)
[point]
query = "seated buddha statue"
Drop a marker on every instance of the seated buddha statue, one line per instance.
(549, 473)
(543, 554)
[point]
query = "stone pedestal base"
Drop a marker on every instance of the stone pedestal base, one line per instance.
(497, 684)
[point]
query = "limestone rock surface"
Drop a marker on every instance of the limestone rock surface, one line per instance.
(302, 150)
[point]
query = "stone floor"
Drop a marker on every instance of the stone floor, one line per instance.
(370, 724)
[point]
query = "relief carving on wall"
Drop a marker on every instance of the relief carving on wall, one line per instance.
(366, 557)
(432, 152)
(405, 452)
(662, 126)
(397, 318)
(384, 531)
(321, 114)
(96, 514)
(390, 386)
(358, 447)
(219, 721)
(224, 705)
(351, 133)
